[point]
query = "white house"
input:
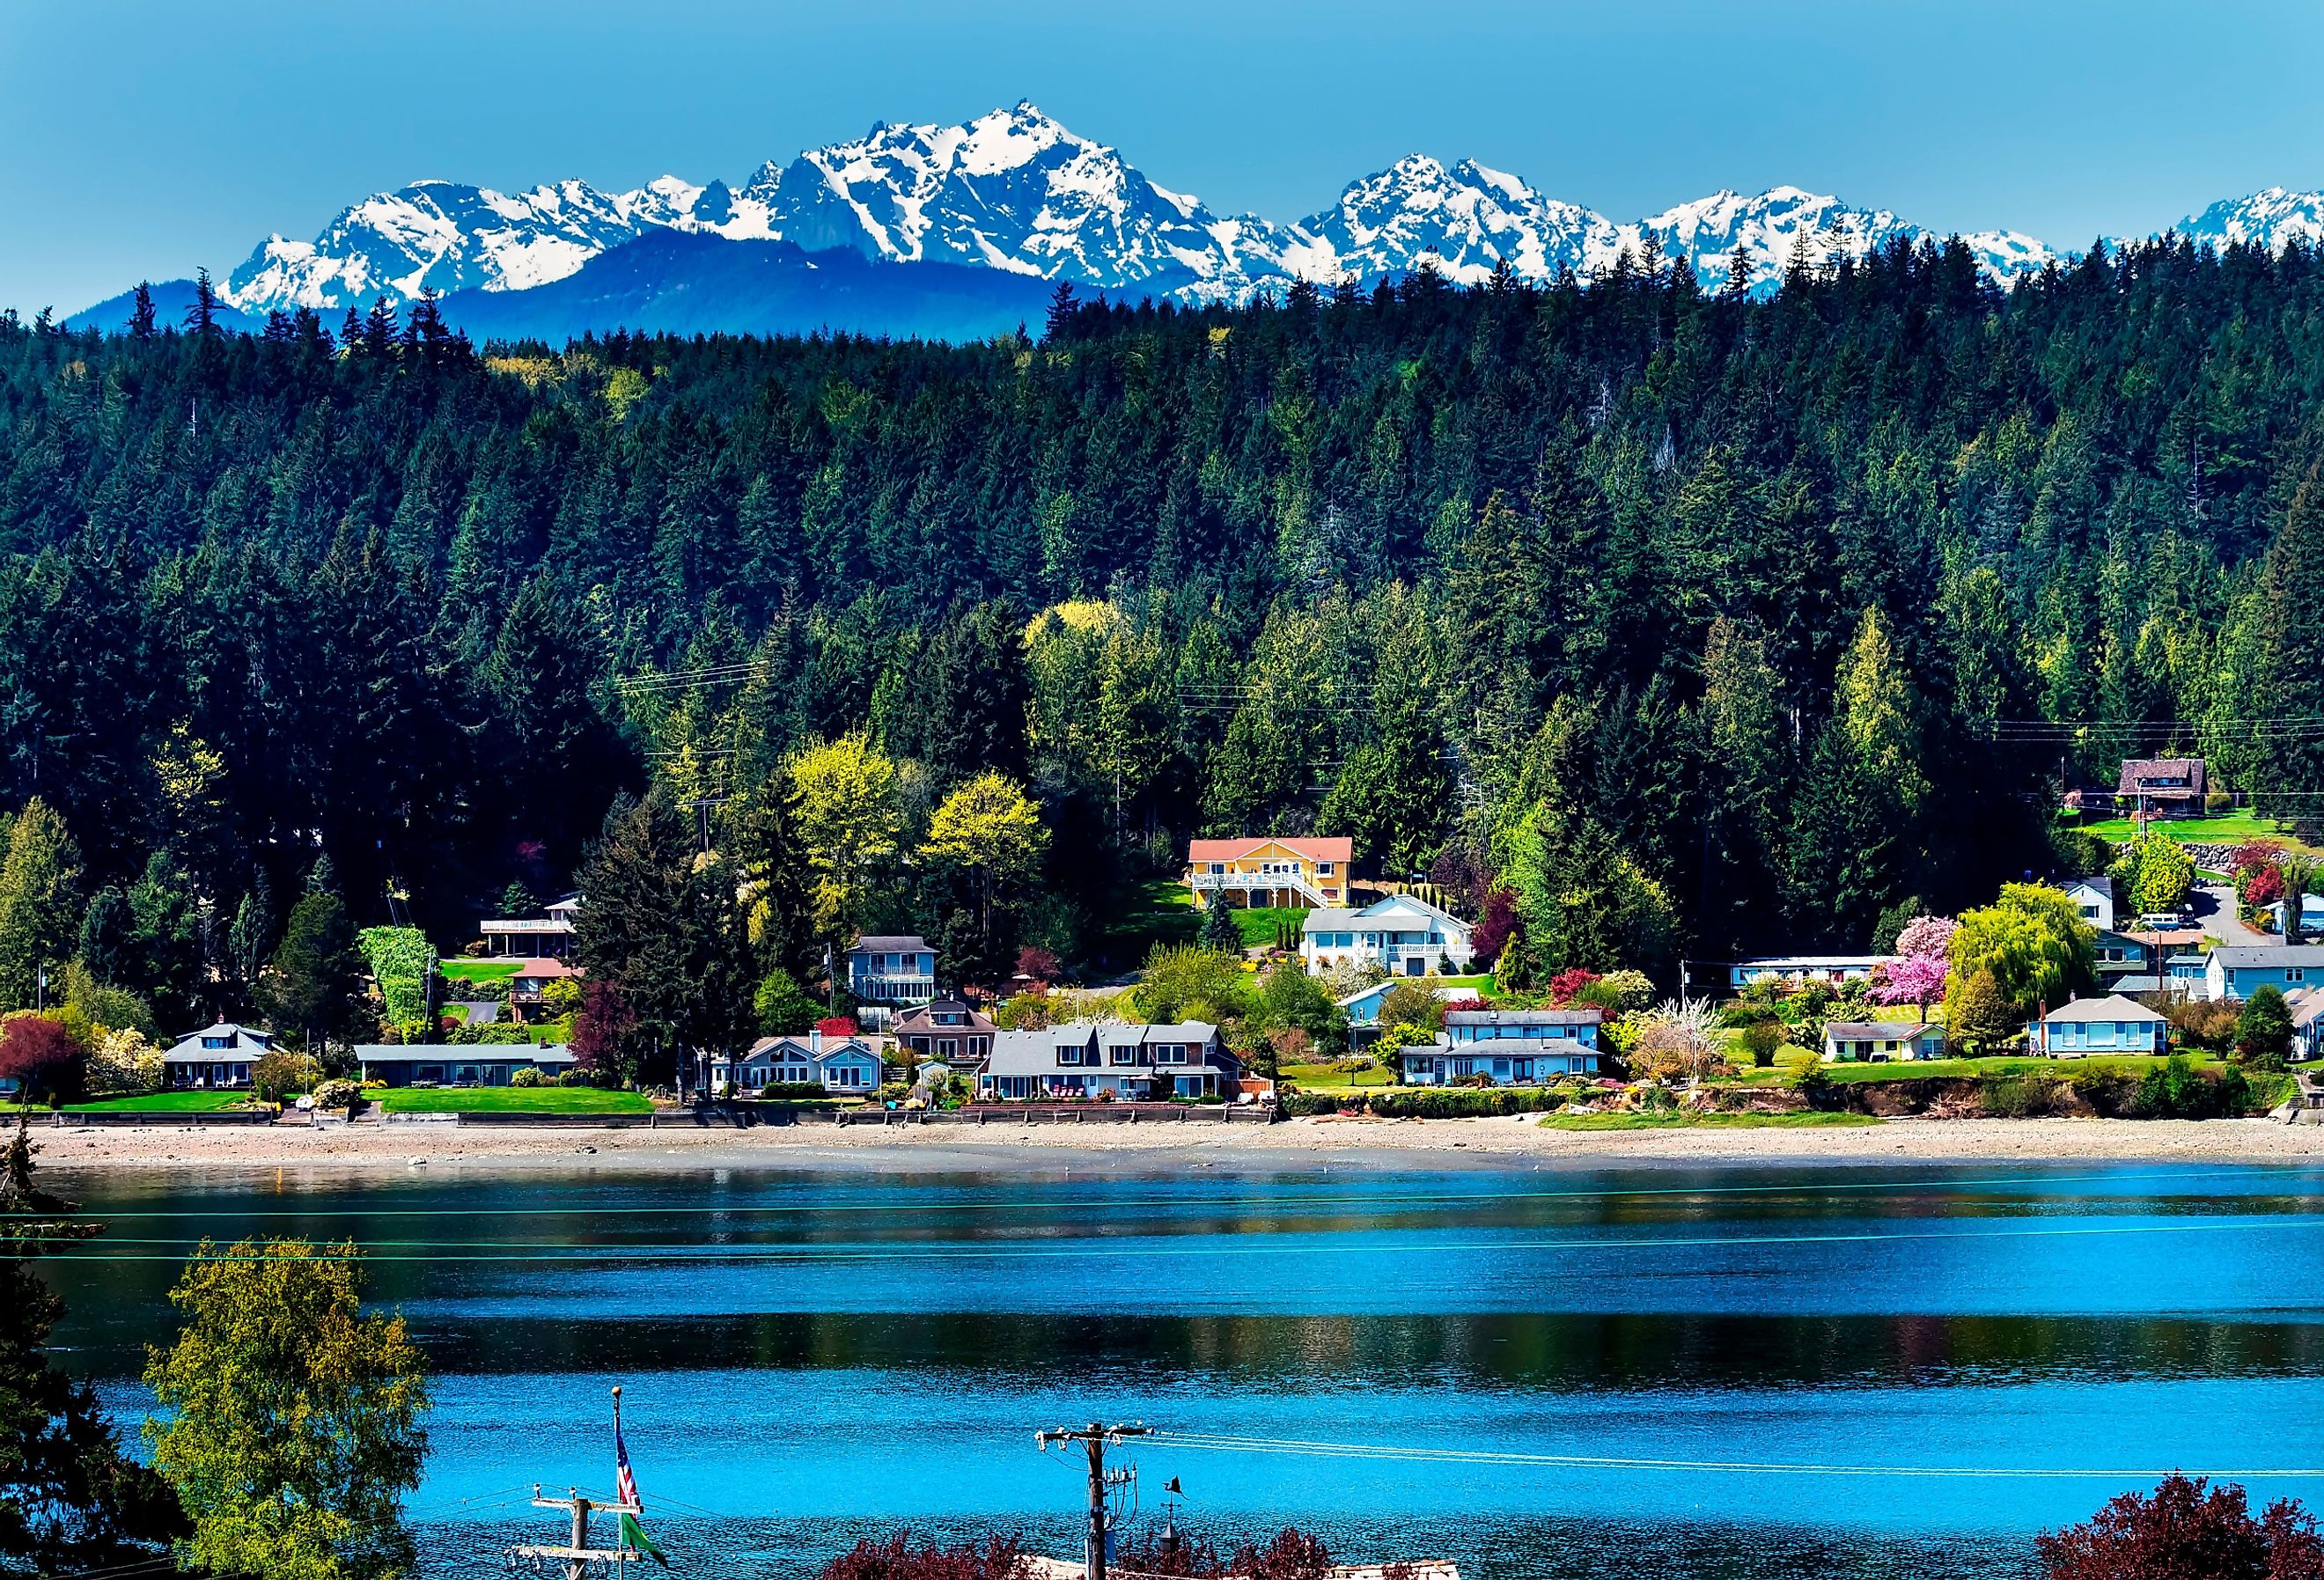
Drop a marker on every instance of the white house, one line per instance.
(1125, 1063)
(896, 968)
(2113, 1024)
(1799, 970)
(1403, 934)
(846, 1066)
(548, 937)
(2093, 899)
(2236, 970)
(215, 1056)
(1877, 1041)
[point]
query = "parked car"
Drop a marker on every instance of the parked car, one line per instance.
(2160, 922)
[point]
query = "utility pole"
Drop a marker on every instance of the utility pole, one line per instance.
(1093, 1438)
(580, 1557)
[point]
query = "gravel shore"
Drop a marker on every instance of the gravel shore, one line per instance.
(1047, 1149)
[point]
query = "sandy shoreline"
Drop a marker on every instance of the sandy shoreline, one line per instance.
(1055, 1148)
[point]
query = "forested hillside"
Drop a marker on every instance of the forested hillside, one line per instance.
(1691, 619)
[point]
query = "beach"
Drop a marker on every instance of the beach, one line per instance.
(1518, 1142)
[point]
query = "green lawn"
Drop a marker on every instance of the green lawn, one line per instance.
(2231, 830)
(1809, 1119)
(1158, 911)
(1317, 1078)
(477, 970)
(163, 1102)
(1258, 922)
(508, 1100)
(2132, 1063)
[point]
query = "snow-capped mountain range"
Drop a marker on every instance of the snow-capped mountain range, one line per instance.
(1015, 190)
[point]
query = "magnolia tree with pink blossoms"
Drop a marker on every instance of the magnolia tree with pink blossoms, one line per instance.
(1918, 977)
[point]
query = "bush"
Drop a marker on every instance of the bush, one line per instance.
(2264, 1028)
(1760, 1040)
(2209, 1024)
(530, 1076)
(336, 1095)
(1430, 1102)
(790, 1091)
(280, 1072)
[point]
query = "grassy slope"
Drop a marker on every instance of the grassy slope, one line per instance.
(1160, 911)
(2228, 830)
(478, 970)
(1316, 1077)
(163, 1102)
(1258, 922)
(1802, 1121)
(509, 1100)
(1975, 1069)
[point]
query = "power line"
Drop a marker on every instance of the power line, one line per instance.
(1225, 1443)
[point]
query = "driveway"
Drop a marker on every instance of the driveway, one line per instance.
(2215, 911)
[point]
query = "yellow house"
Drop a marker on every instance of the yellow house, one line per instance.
(1268, 872)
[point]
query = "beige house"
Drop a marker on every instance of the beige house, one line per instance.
(1268, 872)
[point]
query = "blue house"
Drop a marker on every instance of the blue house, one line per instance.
(847, 1066)
(897, 968)
(1364, 1007)
(1509, 1046)
(2113, 1024)
(2236, 970)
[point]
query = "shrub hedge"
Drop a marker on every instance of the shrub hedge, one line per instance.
(1428, 1102)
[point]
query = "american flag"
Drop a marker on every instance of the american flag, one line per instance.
(625, 1480)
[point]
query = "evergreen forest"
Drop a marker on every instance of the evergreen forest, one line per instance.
(1698, 622)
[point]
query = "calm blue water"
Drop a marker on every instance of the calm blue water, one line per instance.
(809, 1358)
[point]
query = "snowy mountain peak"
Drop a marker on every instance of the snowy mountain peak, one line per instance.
(1016, 189)
(2267, 218)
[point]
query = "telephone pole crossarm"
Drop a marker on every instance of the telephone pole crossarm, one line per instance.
(1094, 1438)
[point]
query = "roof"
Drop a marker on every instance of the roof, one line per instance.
(2138, 774)
(1315, 850)
(2128, 984)
(918, 1018)
(2261, 957)
(2112, 1007)
(189, 1046)
(1808, 962)
(2101, 882)
(1879, 1030)
(1381, 989)
(832, 1047)
(1326, 918)
(546, 968)
(1412, 902)
(463, 1053)
(1504, 1047)
(1589, 1015)
(889, 944)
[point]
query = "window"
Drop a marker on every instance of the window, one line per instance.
(218, 1042)
(946, 1048)
(1218, 868)
(1123, 1054)
(1323, 869)
(1069, 1054)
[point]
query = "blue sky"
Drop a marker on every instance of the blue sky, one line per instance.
(141, 140)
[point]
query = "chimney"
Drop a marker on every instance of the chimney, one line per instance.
(815, 1039)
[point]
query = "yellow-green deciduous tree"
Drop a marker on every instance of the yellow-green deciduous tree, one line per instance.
(290, 1424)
(2031, 940)
(844, 813)
(990, 830)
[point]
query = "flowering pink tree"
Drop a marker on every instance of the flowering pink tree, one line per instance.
(1918, 977)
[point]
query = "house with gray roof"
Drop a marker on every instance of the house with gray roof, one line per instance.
(1122, 1063)
(215, 1056)
(2113, 1024)
(2236, 971)
(848, 1067)
(892, 968)
(1880, 1041)
(458, 1064)
(1511, 1047)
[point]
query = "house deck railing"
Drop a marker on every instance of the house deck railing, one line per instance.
(1298, 883)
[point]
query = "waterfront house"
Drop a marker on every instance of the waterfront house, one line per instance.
(533, 938)
(2117, 954)
(1118, 1063)
(215, 1056)
(1268, 872)
(1363, 1006)
(2173, 787)
(844, 1065)
(944, 1029)
(2093, 899)
(458, 1064)
(2113, 1024)
(2236, 970)
(1511, 1047)
(1880, 1041)
(1796, 971)
(892, 968)
(528, 987)
(2307, 1004)
(2183, 972)
(1403, 935)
